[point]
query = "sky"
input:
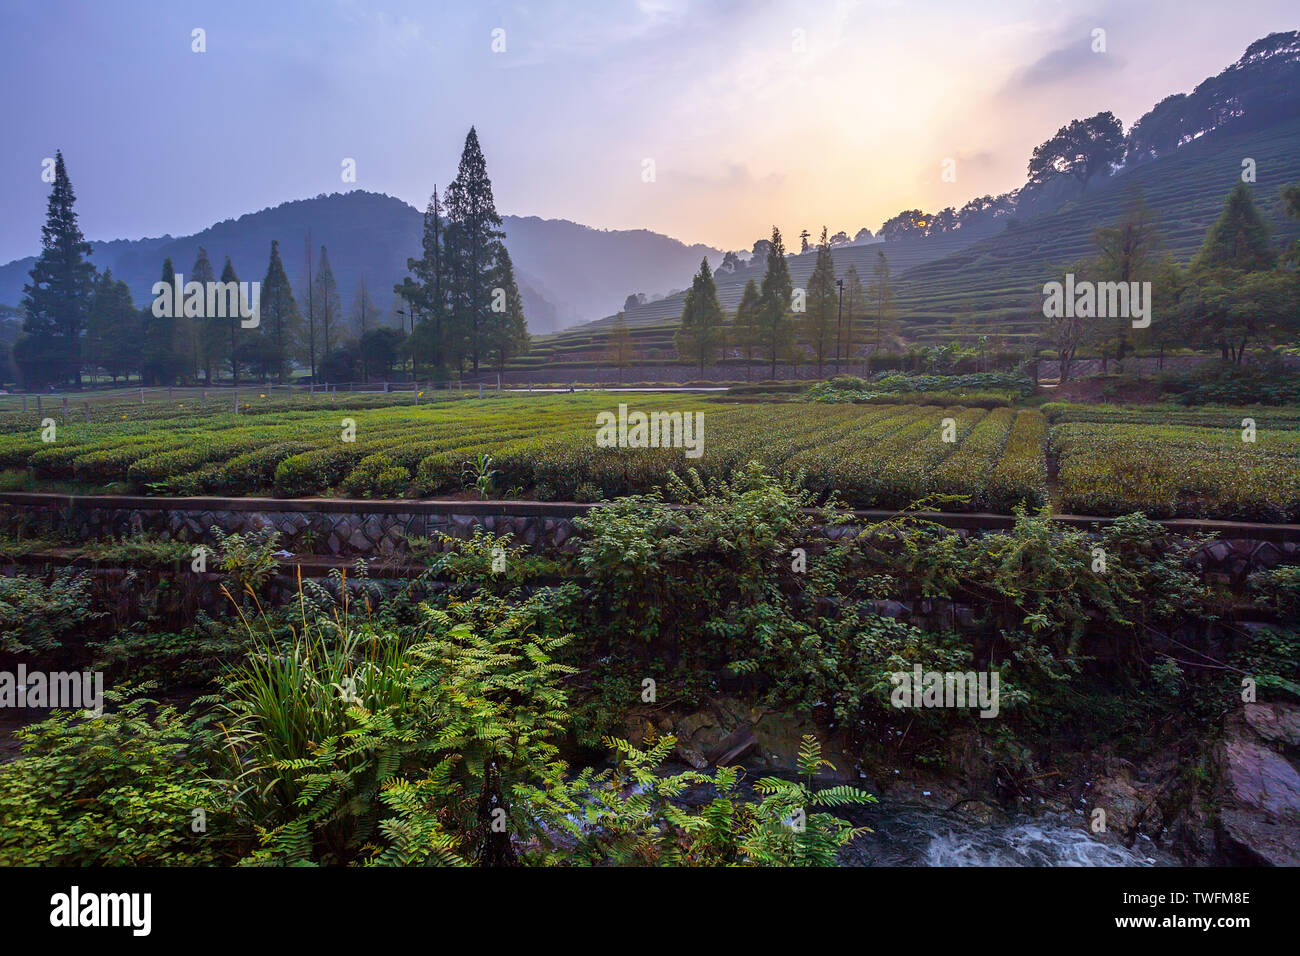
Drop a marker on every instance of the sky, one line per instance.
(706, 121)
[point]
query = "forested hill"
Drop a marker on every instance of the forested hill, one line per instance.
(567, 272)
(982, 264)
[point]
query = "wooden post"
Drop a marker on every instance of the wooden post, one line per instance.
(85, 407)
(65, 408)
(203, 399)
(24, 404)
(236, 396)
(39, 411)
(142, 396)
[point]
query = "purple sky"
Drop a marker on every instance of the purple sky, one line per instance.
(799, 113)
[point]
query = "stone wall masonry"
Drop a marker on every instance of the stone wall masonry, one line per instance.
(380, 529)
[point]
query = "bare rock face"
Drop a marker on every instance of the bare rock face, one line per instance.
(1276, 723)
(1260, 819)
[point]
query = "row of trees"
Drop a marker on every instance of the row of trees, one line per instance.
(778, 323)
(462, 307)
(1235, 294)
(78, 320)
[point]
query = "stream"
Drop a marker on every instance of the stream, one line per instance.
(907, 835)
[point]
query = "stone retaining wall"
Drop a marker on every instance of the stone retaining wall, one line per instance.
(373, 529)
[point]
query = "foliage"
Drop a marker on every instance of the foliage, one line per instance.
(634, 816)
(37, 617)
(248, 558)
(118, 789)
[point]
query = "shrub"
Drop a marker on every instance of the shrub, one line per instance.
(377, 477)
(36, 618)
(120, 789)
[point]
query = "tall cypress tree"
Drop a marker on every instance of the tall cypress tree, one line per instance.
(746, 323)
(507, 330)
(774, 301)
(819, 319)
(158, 337)
(426, 289)
(228, 275)
(328, 307)
(472, 234)
(700, 332)
(57, 300)
(202, 333)
(279, 318)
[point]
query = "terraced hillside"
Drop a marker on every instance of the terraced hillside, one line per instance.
(990, 283)
(998, 280)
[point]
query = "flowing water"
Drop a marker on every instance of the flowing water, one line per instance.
(917, 836)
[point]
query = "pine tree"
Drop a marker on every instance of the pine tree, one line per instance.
(1233, 296)
(158, 337)
(112, 340)
(881, 295)
(1239, 237)
(228, 276)
(819, 319)
(507, 329)
(329, 309)
(207, 332)
(427, 288)
(471, 239)
(58, 298)
(700, 332)
(774, 301)
(280, 319)
(746, 324)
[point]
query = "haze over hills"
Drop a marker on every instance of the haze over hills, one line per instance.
(1182, 158)
(567, 272)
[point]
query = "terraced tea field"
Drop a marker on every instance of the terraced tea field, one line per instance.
(1107, 460)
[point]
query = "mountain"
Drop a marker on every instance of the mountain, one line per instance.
(982, 268)
(567, 272)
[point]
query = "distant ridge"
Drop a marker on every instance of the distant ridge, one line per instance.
(567, 272)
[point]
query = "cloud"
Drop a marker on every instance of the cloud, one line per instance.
(1065, 63)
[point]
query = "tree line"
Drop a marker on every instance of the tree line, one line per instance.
(462, 308)
(1238, 292)
(776, 322)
